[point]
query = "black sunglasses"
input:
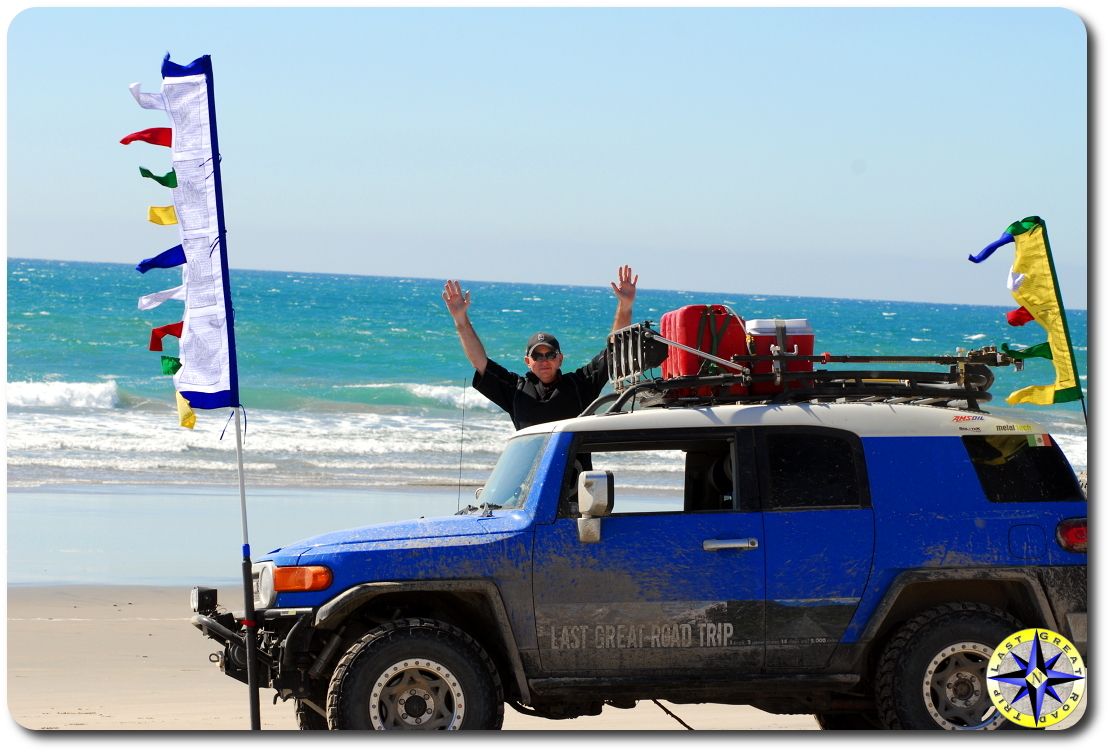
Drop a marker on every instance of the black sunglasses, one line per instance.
(550, 355)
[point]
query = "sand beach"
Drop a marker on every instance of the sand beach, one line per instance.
(127, 658)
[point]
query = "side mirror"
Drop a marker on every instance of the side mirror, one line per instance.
(595, 500)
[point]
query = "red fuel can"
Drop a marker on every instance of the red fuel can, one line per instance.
(715, 330)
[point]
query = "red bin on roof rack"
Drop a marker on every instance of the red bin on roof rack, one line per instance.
(789, 334)
(715, 330)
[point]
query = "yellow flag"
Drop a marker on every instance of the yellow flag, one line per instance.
(1033, 284)
(162, 215)
(185, 412)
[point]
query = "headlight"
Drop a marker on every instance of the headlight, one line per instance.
(263, 576)
(203, 600)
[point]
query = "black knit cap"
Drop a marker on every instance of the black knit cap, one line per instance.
(541, 338)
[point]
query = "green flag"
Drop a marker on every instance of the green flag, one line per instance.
(170, 365)
(1044, 350)
(169, 180)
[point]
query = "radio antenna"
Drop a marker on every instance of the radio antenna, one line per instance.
(462, 432)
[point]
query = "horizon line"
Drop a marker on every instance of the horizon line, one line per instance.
(550, 285)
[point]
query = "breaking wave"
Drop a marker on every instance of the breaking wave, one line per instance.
(63, 394)
(448, 395)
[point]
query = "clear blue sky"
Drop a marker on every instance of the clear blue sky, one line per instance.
(823, 152)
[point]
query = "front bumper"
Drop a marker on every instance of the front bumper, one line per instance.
(284, 636)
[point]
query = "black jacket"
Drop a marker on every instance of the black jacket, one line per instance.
(523, 398)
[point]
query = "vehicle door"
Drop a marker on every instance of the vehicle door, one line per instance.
(819, 536)
(677, 579)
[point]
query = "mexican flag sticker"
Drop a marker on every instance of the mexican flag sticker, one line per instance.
(1039, 440)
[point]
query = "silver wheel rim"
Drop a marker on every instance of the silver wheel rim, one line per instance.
(417, 694)
(955, 688)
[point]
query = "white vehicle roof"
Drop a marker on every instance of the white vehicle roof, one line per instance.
(862, 419)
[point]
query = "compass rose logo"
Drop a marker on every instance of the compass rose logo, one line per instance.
(1036, 677)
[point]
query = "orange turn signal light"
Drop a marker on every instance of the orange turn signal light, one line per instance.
(311, 578)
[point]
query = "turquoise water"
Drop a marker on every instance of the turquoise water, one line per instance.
(357, 409)
(315, 341)
(359, 381)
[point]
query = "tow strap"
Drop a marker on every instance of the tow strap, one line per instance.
(715, 337)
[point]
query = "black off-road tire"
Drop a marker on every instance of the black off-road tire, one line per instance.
(949, 643)
(308, 717)
(848, 721)
(415, 674)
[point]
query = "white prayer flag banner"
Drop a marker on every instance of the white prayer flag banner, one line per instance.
(207, 378)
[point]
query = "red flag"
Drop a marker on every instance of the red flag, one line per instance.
(1019, 317)
(156, 136)
(158, 333)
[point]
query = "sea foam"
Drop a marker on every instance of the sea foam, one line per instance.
(445, 394)
(63, 394)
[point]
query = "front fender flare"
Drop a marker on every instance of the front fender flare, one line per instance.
(332, 614)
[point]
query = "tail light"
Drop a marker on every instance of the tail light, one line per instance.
(311, 578)
(1071, 535)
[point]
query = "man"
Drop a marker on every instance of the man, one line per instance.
(544, 393)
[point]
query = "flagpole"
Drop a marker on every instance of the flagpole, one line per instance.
(180, 112)
(1064, 319)
(229, 313)
(248, 588)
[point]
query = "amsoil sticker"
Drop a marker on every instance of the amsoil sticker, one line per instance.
(1036, 677)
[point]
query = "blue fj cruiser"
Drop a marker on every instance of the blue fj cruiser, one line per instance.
(852, 549)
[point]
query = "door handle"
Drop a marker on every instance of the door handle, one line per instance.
(712, 545)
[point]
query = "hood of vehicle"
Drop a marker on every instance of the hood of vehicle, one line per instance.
(422, 528)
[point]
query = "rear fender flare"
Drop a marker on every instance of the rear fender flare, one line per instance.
(1023, 578)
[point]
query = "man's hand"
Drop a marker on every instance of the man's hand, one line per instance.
(457, 301)
(625, 291)
(625, 286)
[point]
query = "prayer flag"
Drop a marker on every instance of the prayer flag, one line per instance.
(185, 414)
(1018, 317)
(985, 254)
(170, 365)
(147, 101)
(148, 302)
(1032, 281)
(169, 180)
(162, 215)
(207, 377)
(156, 136)
(158, 333)
(173, 257)
(1037, 351)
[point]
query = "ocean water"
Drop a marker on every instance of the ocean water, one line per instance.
(357, 400)
(352, 381)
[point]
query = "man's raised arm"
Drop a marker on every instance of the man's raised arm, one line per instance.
(625, 290)
(457, 304)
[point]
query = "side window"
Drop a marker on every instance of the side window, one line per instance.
(808, 468)
(662, 475)
(1011, 468)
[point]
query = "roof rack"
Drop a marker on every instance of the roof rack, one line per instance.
(634, 350)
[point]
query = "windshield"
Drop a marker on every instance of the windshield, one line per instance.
(508, 485)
